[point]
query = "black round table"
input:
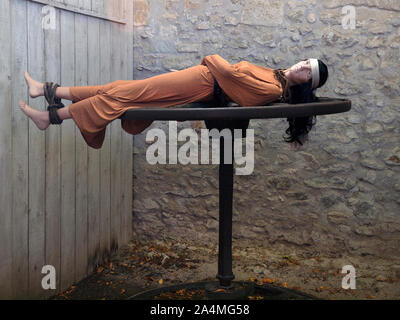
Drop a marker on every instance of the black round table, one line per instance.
(234, 117)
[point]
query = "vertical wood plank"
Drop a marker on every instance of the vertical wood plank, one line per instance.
(5, 151)
(81, 186)
(121, 160)
(67, 156)
(20, 264)
(134, 35)
(36, 156)
(115, 128)
(126, 156)
(93, 154)
(105, 152)
(98, 6)
(52, 56)
(72, 3)
(85, 4)
(117, 8)
(125, 13)
(108, 8)
(129, 137)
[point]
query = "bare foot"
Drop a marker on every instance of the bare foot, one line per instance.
(40, 118)
(35, 87)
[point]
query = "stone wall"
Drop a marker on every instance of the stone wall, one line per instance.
(340, 193)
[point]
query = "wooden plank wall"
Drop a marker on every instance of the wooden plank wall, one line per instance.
(63, 204)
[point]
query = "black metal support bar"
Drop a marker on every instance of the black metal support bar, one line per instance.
(225, 274)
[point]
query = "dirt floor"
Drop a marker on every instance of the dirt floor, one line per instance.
(146, 265)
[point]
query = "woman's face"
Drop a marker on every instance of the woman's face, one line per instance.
(301, 72)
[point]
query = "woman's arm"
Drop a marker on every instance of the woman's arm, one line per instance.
(238, 86)
(219, 65)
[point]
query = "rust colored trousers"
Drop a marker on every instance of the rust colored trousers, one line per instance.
(94, 107)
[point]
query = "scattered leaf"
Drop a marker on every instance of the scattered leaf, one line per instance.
(268, 280)
(255, 297)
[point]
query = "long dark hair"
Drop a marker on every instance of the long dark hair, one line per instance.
(303, 93)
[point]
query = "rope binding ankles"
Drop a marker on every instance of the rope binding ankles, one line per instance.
(54, 102)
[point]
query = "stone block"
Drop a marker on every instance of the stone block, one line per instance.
(141, 13)
(263, 12)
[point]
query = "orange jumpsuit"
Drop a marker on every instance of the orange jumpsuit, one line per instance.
(94, 107)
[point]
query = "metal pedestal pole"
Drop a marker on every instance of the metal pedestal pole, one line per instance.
(225, 274)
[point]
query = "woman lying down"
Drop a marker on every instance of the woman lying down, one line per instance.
(247, 84)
